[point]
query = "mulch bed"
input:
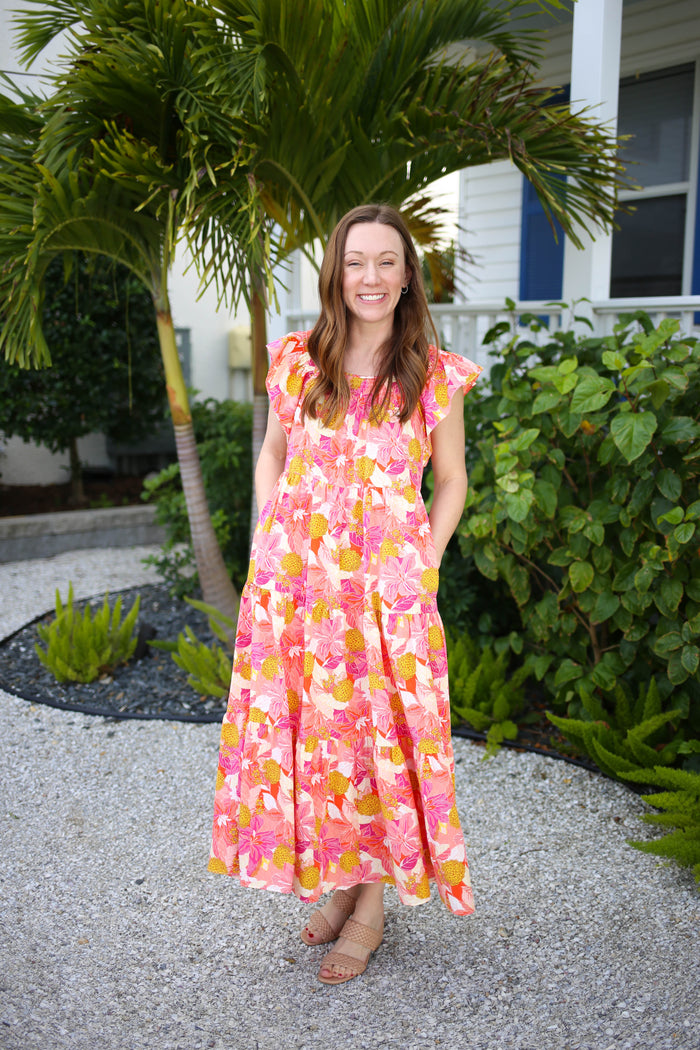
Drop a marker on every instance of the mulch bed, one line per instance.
(108, 491)
(152, 686)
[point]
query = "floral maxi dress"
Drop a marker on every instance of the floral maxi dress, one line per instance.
(336, 763)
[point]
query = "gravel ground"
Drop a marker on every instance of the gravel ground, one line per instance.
(115, 936)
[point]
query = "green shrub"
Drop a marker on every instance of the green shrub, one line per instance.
(622, 735)
(681, 802)
(482, 691)
(584, 500)
(224, 434)
(80, 648)
(208, 667)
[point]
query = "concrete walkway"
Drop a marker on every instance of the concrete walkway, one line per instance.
(114, 937)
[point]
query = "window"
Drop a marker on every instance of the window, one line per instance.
(648, 250)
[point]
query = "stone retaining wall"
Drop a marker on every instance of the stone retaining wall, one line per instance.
(41, 535)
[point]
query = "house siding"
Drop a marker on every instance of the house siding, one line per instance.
(653, 36)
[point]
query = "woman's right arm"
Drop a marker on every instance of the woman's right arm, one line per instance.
(271, 459)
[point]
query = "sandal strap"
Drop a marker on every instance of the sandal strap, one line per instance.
(320, 925)
(343, 902)
(361, 934)
(348, 962)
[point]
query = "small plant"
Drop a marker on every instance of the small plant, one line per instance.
(622, 734)
(80, 648)
(208, 666)
(681, 803)
(101, 502)
(482, 692)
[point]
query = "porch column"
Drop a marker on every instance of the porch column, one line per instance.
(595, 78)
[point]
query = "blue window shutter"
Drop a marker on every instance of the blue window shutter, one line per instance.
(541, 256)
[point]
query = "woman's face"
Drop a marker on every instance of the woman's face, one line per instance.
(374, 270)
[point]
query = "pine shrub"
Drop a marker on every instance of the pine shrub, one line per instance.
(483, 694)
(680, 803)
(81, 648)
(208, 667)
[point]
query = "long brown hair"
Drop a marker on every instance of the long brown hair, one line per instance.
(405, 357)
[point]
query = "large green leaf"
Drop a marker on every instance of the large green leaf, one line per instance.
(581, 574)
(592, 393)
(632, 432)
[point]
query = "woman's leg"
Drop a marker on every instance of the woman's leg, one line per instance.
(369, 911)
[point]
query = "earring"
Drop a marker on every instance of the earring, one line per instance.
(404, 289)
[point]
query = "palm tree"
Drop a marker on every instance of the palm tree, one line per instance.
(120, 161)
(217, 120)
(365, 100)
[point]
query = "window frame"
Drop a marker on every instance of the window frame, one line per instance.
(690, 277)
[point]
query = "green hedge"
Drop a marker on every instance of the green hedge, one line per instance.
(584, 501)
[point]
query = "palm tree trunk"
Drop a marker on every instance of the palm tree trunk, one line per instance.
(77, 490)
(217, 588)
(260, 400)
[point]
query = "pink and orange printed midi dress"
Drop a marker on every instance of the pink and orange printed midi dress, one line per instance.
(336, 763)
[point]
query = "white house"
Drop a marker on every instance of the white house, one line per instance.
(636, 65)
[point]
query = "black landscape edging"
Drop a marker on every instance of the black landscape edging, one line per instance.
(465, 733)
(105, 712)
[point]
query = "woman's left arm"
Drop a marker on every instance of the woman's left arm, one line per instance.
(449, 474)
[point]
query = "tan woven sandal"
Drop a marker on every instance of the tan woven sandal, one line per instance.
(318, 930)
(360, 934)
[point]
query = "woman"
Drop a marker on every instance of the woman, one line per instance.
(336, 767)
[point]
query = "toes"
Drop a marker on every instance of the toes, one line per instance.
(337, 971)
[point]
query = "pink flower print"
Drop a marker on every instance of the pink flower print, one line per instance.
(436, 810)
(401, 578)
(353, 593)
(245, 621)
(438, 663)
(285, 723)
(256, 842)
(335, 468)
(390, 443)
(328, 847)
(373, 537)
(292, 647)
(221, 841)
(328, 643)
(296, 519)
(230, 761)
(367, 870)
(268, 556)
(406, 844)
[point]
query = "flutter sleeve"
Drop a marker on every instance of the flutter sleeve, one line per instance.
(449, 374)
(290, 366)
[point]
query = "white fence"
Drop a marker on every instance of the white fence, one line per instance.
(462, 326)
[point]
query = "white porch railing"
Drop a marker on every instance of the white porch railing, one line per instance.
(462, 326)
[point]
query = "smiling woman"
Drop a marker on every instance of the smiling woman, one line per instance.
(336, 769)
